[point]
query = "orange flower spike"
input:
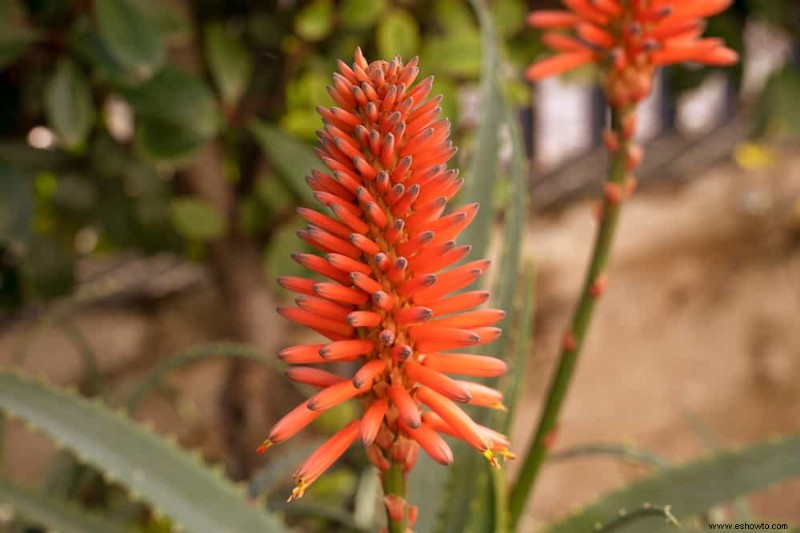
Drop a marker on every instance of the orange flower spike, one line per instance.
(384, 239)
(628, 40)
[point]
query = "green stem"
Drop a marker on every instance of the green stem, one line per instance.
(394, 483)
(574, 338)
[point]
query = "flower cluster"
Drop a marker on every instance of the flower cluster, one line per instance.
(385, 303)
(630, 38)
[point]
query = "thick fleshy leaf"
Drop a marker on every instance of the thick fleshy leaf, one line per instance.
(160, 474)
(55, 514)
(693, 488)
(130, 37)
(68, 103)
(471, 471)
(480, 179)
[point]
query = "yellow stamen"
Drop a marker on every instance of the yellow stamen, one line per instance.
(299, 490)
(264, 446)
(490, 456)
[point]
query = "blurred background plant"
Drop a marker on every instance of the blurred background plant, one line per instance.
(182, 132)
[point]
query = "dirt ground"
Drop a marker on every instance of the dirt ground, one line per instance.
(696, 334)
(698, 328)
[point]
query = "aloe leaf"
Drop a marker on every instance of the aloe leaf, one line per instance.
(620, 451)
(91, 368)
(506, 287)
(480, 180)
(524, 334)
(171, 481)
(193, 355)
(469, 469)
(693, 488)
(293, 159)
(55, 513)
(629, 518)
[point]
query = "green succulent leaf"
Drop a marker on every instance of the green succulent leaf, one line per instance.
(68, 103)
(471, 473)
(693, 488)
(130, 37)
(158, 473)
(196, 219)
(56, 514)
(480, 180)
(398, 34)
(229, 63)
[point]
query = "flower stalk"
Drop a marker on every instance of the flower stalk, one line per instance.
(394, 489)
(618, 183)
(628, 40)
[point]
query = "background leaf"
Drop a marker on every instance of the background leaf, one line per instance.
(694, 488)
(175, 114)
(197, 220)
(15, 33)
(53, 513)
(130, 37)
(398, 34)
(228, 61)
(158, 473)
(68, 103)
(360, 14)
(293, 159)
(16, 204)
(315, 21)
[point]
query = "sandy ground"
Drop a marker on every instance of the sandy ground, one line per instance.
(699, 323)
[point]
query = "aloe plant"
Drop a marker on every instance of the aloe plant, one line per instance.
(171, 481)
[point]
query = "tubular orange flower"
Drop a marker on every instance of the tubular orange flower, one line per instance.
(384, 303)
(630, 38)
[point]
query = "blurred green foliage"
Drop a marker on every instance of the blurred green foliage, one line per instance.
(108, 103)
